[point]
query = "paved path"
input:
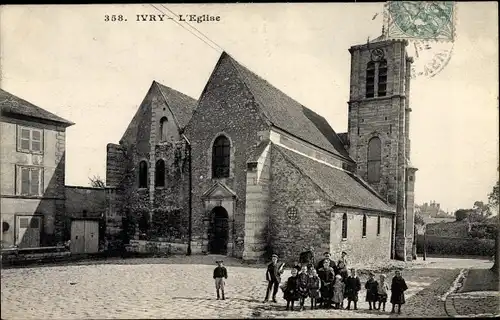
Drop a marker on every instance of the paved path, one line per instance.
(139, 289)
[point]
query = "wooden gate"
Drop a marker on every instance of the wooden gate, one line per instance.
(84, 236)
(28, 231)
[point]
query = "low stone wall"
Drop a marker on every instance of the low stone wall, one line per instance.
(157, 247)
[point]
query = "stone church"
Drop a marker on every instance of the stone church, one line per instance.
(246, 170)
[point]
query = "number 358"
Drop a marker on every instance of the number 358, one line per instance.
(114, 17)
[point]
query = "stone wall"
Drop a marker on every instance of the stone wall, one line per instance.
(171, 202)
(257, 206)
(84, 202)
(299, 214)
(224, 106)
(154, 211)
(159, 248)
(114, 225)
(318, 221)
(361, 249)
(114, 164)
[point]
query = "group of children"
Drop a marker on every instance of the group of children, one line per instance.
(325, 285)
(328, 286)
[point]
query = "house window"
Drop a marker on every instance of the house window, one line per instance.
(160, 173)
(163, 129)
(378, 225)
(370, 79)
(30, 181)
(382, 79)
(143, 174)
(344, 226)
(374, 159)
(29, 140)
(221, 157)
(364, 225)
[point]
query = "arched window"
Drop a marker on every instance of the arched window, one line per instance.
(382, 79)
(344, 226)
(370, 79)
(378, 225)
(160, 173)
(221, 157)
(364, 225)
(163, 128)
(143, 174)
(374, 159)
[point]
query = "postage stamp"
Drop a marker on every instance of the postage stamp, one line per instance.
(421, 20)
(429, 27)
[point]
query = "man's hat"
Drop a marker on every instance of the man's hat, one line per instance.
(217, 261)
(326, 253)
(274, 255)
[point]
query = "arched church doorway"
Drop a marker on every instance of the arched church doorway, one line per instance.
(219, 231)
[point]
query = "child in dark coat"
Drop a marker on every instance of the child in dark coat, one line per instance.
(314, 288)
(290, 290)
(303, 286)
(371, 287)
(327, 275)
(220, 273)
(352, 287)
(398, 289)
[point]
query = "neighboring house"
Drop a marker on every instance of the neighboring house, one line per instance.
(245, 170)
(32, 173)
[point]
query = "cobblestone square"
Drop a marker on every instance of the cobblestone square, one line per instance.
(152, 289)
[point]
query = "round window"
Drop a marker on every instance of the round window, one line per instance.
(292, 213)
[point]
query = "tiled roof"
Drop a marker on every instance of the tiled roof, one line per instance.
(289, 115)
(342, 187)
(12, 104)
(257, 152)
(181, 105)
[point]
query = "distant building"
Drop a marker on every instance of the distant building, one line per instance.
(32, 173)
(433, 210)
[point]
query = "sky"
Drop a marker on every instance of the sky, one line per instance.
(70, 61)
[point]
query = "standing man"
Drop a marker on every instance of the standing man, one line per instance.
(326, 256)
(342, 266)
(273, 277)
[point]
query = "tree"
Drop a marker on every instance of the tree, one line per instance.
(493, 196)
(481, 212)
(493, 201)
(462, 214)
(419, 220)
(97, 182)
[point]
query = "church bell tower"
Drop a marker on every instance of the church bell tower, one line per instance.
(378, 130)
